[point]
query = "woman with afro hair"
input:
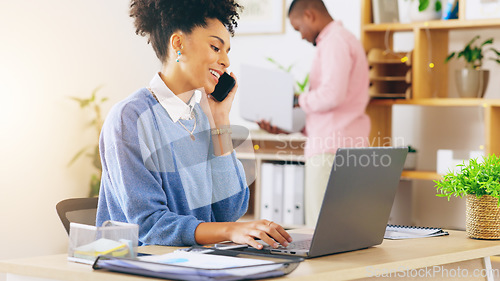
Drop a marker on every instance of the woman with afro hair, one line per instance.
(166, 150)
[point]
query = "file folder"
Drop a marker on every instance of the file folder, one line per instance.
(262, 266)
(293, 195)
(278, 193)
(266, 193)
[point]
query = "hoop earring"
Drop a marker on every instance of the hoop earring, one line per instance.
(179, 54)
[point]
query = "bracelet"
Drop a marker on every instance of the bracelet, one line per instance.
(221, 131)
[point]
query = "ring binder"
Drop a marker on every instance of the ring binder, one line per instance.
(231, 265)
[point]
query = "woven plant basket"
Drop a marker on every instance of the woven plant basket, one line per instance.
(482, 217)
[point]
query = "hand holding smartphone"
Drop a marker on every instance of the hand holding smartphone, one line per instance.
(223, 87)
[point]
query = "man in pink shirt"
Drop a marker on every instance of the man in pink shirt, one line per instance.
(336, 101)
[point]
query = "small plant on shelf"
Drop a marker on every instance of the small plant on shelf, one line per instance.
(425, 10)
(472, 81)
(300, 86)
(474, 54)
(411, 159)
(424, 4)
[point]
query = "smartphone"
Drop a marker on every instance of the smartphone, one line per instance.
(223, 87)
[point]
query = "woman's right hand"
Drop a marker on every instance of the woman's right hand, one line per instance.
(267, 231)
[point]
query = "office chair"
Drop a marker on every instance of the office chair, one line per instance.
(79, 210)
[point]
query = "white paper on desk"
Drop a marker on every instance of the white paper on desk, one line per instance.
(225, 265)
(202, 260)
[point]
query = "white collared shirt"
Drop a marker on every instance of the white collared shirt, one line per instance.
(175, 107)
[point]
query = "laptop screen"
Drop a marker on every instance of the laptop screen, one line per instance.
(358, 199)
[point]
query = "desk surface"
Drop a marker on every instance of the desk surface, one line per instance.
(390, 256)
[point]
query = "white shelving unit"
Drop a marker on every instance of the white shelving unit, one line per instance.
(268, 148)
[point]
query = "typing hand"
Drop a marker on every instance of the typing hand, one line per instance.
(267, 231)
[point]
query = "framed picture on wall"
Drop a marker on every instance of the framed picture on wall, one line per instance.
(261, 17)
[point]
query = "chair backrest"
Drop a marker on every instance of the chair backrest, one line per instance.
(79, 210)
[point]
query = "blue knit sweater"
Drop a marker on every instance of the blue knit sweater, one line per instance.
(154, 175)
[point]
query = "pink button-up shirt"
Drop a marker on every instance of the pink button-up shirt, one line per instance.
(336, 101)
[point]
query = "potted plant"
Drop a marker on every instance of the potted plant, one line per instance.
(479, 182)
(411, 159)
(300, 86)
(473, 80)
(92, 151)
(424, 10)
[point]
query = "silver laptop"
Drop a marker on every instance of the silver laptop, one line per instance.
(357, 203)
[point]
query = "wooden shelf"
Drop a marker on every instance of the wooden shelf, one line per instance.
(389, 78)
(420, 175)
(261, 135)
(435, 24)
(381, 56)
(272, 156)
(390, 75)
(389, 61)
(389, 96)
(438, 102)
(383, 27)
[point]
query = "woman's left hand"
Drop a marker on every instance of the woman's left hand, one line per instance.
(220, 110)
(271, 233)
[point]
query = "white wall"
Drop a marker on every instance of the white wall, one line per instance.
(51, 50)
(54, 49)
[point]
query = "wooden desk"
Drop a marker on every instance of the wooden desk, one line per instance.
(455, 253)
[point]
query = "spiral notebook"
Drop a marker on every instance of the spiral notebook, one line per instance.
(407, 232)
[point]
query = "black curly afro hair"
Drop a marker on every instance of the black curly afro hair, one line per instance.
(159, 19)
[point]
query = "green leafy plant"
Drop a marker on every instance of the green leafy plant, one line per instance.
(94, 104)
(411, 149)
(424, 4)
(475, 178)
(300, 86)
(474, 55)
